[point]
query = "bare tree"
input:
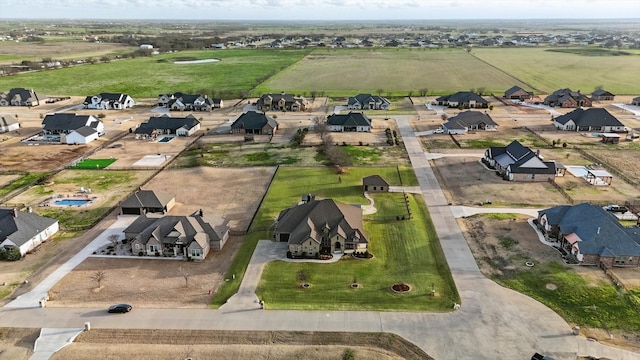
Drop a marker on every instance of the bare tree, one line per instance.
(380, 91)
(481, 90)
(99, 277)
(321, 129)
(424, 91)
(113, 239)
(185, 274)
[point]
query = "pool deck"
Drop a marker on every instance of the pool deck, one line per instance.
(52, 200)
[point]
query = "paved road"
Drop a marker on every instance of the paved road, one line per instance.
(493, 322)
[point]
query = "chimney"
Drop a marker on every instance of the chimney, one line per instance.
(15, 212)
(200, 212)
(598, 230)
(538, 153)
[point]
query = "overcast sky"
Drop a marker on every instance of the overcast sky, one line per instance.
(319, 9)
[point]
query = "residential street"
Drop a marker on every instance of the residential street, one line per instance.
(492, 323)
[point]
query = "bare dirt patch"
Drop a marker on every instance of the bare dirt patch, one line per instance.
(17, 343)
(128, 281)
(231, 193)
(468, 182)
(179, 344)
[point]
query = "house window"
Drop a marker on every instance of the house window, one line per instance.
(196, 252)
(621, 259)
(153, 248)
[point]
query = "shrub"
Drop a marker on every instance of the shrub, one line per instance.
(101, 116)
(11, 254)
(348, 354)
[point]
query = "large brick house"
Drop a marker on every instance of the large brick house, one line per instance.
(281, 102)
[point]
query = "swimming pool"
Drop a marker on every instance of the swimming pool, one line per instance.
(165, 139)
(71, 202)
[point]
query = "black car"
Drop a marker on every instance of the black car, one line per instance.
(119, 308)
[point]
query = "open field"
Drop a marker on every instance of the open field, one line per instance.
(11, 52)
(146, 77)
(548, 69)
(346, 72)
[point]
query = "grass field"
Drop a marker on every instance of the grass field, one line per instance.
(24, 180)
(577, 300)
(146, 77)
(345, 72)
(547, 69)
(93, 164)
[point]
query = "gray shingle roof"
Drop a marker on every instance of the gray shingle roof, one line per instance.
(351, 119)
(469, 118)
(22, 228)
(66, 121)
(374, 180)
(589, 117)
(163, 228)
(165, 122)
(463, 97)
(253, 120)
(599, 230)
(307, 220)
(147, 199)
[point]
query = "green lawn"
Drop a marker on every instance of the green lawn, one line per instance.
(146, 77)
(574, 298)
(25, 180)
(93, 164)
(345, 72)
(548, 69)
(404, 251)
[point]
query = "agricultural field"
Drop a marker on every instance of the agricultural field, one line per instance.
(238, 71)
(66, 48)
(346, 72)
(548, 69)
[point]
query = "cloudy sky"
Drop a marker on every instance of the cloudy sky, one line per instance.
(319, 9)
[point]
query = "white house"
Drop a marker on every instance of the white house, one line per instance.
(24, 230)
(109, 101)
(351, 122)
(8, 123)
(83, 135)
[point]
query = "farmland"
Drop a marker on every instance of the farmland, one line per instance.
(346, 71)
(547, 70)
(146, 77)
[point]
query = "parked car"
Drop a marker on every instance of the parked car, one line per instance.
(616, 208)
(438, 131)
(119, 308)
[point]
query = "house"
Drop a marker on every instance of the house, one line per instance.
(189, 236)
(590, 235)
(108, 101)
(147, 201)
(253, 122)
(165, 124)
(24, 230)
(516, 162)
(593, 119)
(469, 121)
(635, 101)
(82, 136)
(8, 123)
(59, 126)
(351, 122)
(281, 102)
(463, 99)
(368, 102)
(19, 97)
(375, 183)
(567, 98)
(518, 93)
(187, 102)
(317, 227)
(602, 95)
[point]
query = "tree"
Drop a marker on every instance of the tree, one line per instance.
(321, 129)
(185, 274)
(11, 254)
(424, 91)
(113, 239)
(380, 91)
(302, 276)
(99, 277)
(481, 90)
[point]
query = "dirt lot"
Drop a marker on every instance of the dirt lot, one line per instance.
(176, 344)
